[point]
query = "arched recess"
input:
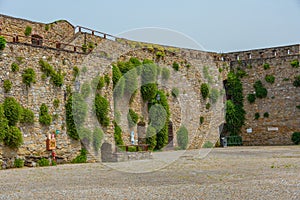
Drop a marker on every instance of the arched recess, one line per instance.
(37, 40)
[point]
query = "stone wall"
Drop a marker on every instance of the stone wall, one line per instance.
(43, 91)
(58, 31)
(280, 103)
(189, 106)
(186, 109)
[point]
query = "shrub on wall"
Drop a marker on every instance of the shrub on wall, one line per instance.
(28, 77)
(27, 116)
(71, 127)
(208, 145)
(116, 75)
(101, 83)
(56, 103)
(28, 30)
(3, 124)
(182, 137)
(256, 116)
(107, 79)
(149, 72)
(12, 110)
(296, 82)
(266, 115)
(102, 109)
(57, 78)
(260, 90)
(14, 67)
(266, 66)
(207, 106)
(151, 137)
(201, 120)
(97, 138)
(251, 98)
(295, 63)
(296, 138)
(270, 79)
(204, 90)
(18, 163)
(7, 85)
(44, 162)
(148, 91)
(81, 158)
(118, 134)
(84, 48)
(75, 71)
(165, 74)
(175, 66)
(132, 118)
(2, 43)
(13, 137)
(44, 117)
(160, 54)
(175, 92)
(162, 133)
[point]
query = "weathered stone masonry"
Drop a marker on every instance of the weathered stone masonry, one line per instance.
(280, 103)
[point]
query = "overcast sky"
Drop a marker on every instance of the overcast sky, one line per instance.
(217, 25)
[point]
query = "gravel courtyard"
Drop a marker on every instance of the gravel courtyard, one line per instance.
(225, 173)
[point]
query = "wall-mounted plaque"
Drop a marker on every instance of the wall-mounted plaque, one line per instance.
(273, 129)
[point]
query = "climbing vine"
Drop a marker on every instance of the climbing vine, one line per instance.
(102, 109)
(44, 117)
(235, 113)
(57, 77)
(7, 85)
(132, 118)
(28, 77)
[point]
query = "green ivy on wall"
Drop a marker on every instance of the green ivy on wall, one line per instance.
(2, 43)
(28, 77)
(102, 109)
(57, 77)
(235, 113)
(44, 117)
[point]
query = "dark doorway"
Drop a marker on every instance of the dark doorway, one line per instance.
(171, 135)
(228, 96)
(141, 130)
(37, 40)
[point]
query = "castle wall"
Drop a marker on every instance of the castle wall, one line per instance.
(58, 31)
(43, 91)
(186, 110)
(280, 103)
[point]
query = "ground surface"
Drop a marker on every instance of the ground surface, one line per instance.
(230, 173)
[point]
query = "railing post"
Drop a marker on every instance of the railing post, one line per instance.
(79, 29)
(104, 36)
(93, 33)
